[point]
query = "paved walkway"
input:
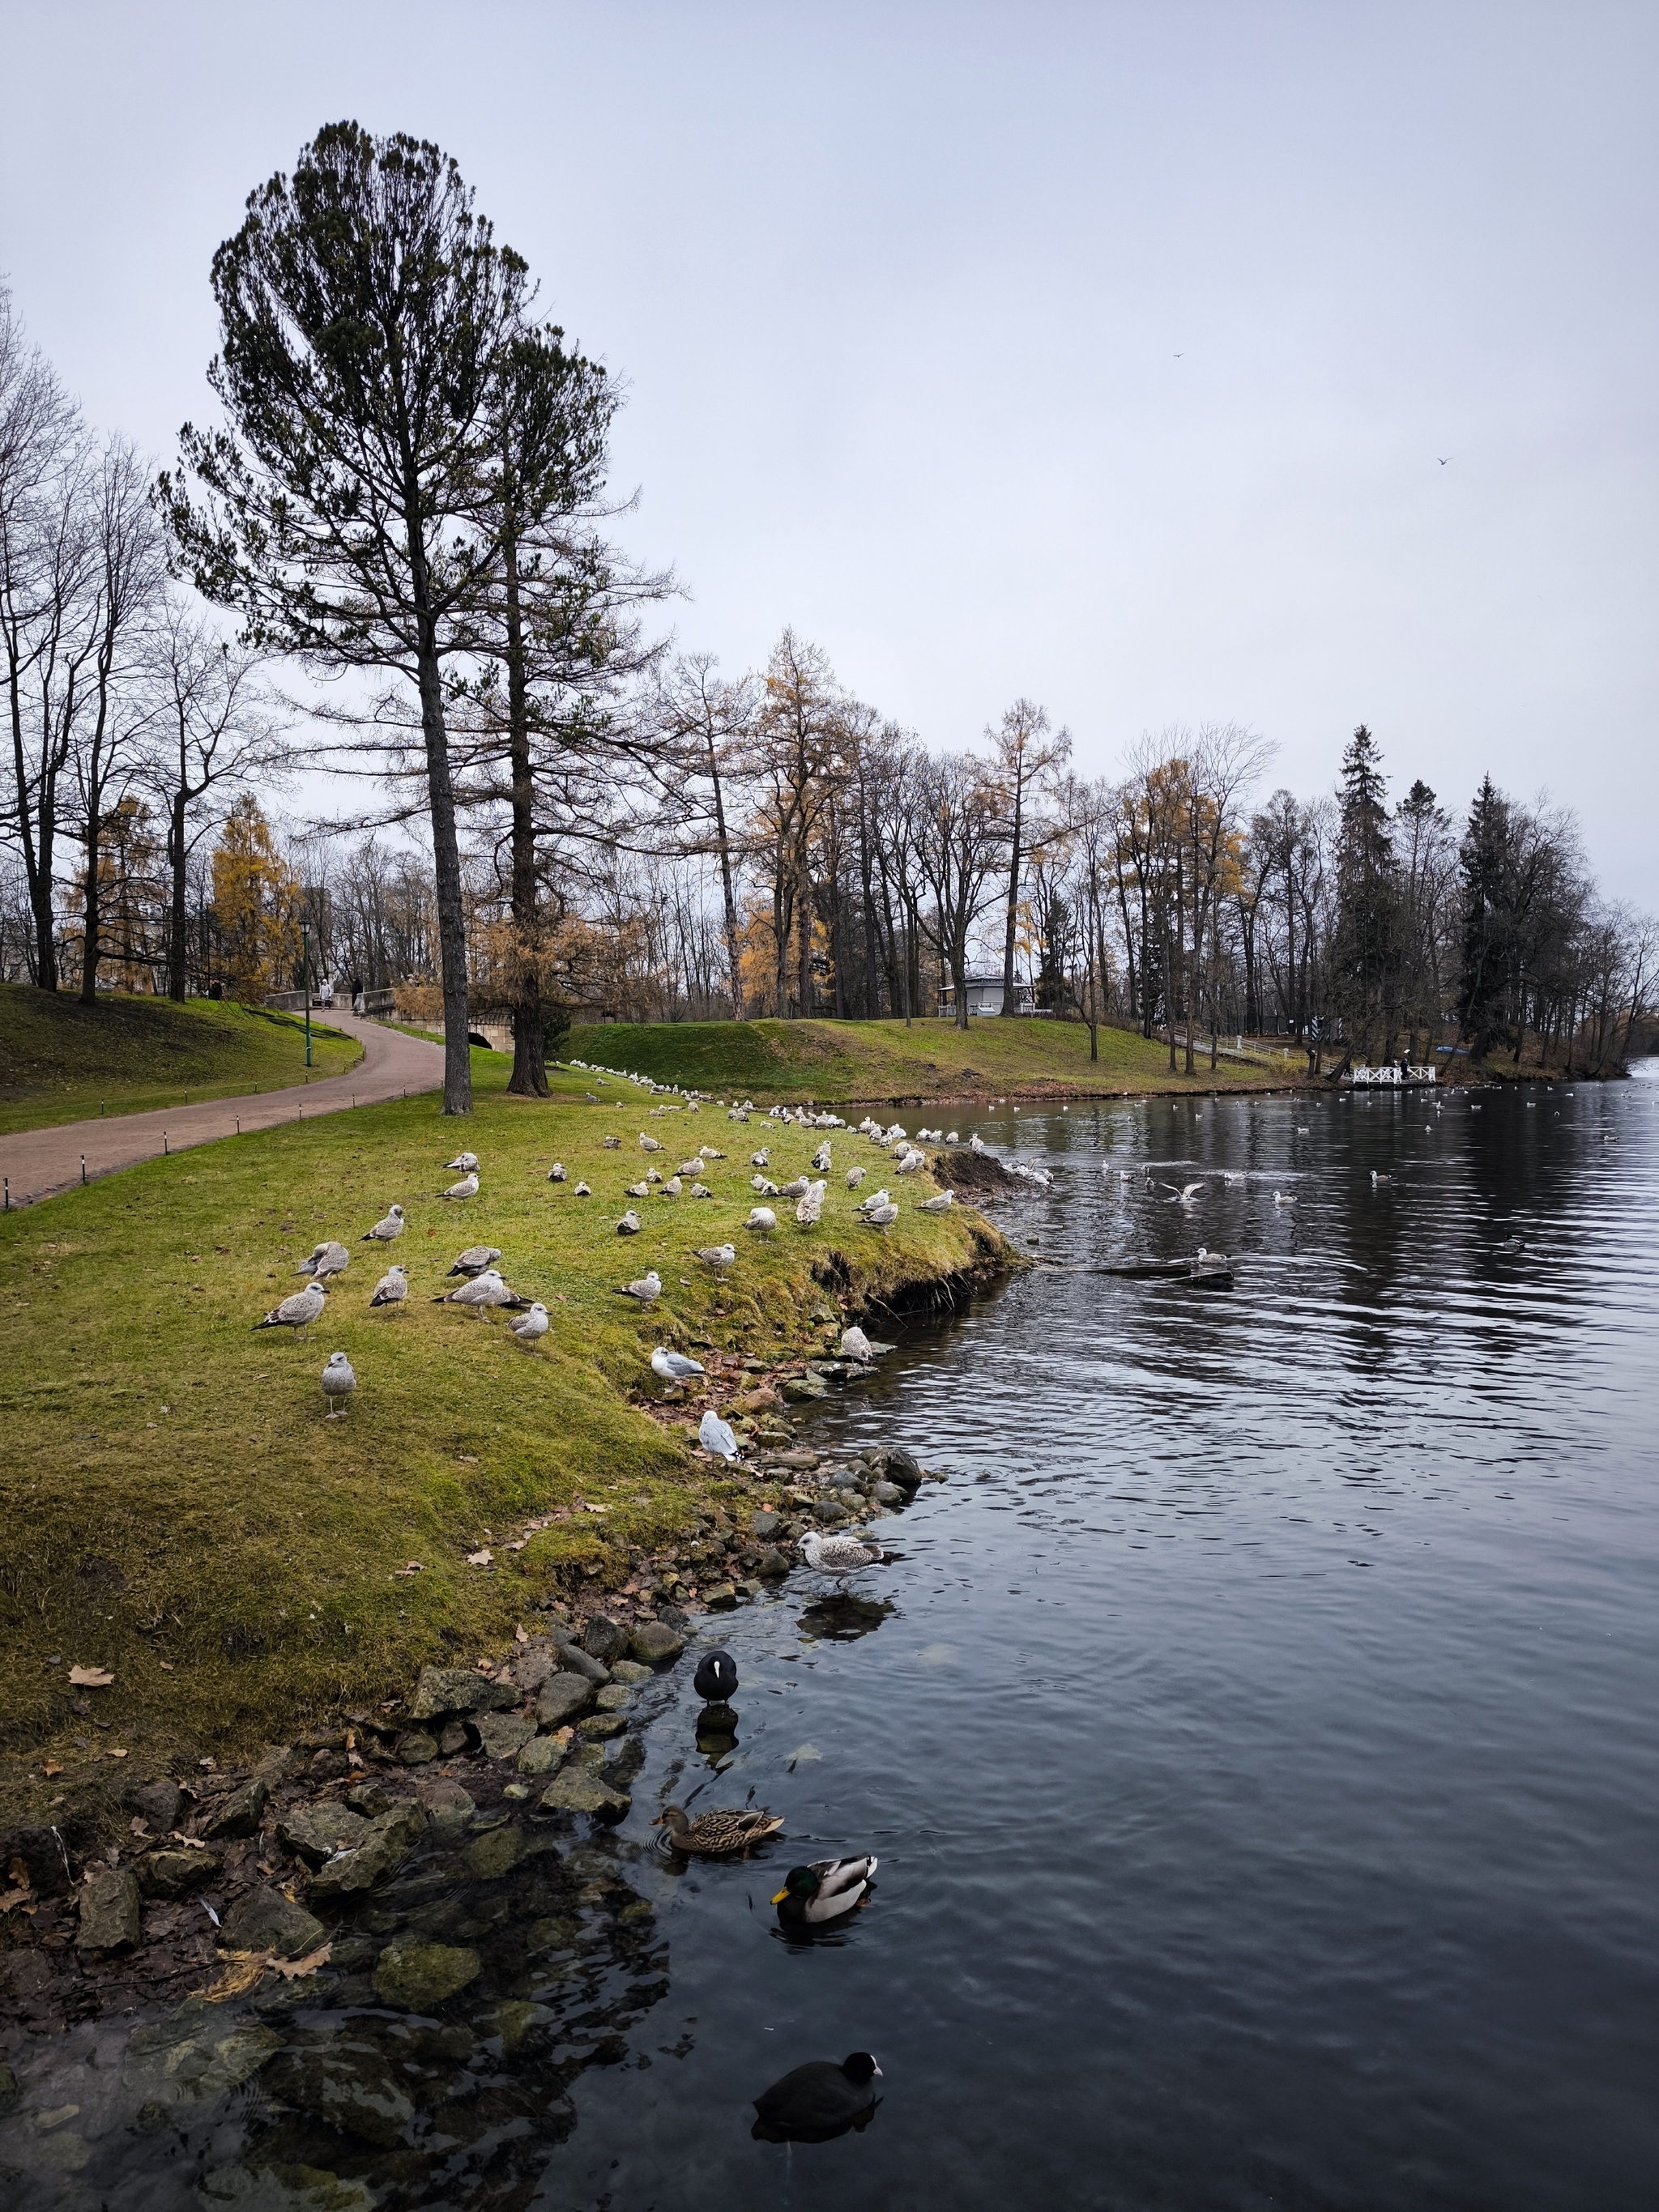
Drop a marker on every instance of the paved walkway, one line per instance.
(38, 1163)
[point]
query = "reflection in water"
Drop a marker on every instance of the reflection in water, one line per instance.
(843, 1616)
(717, 1733)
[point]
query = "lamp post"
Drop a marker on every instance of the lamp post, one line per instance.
(304, 964)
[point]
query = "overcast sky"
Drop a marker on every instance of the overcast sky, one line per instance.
(1104, 354)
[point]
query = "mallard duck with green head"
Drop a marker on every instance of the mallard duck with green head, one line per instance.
(827, 1891)
(713, 1834)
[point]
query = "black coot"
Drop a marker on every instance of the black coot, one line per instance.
(817, 2101)
(716, 1676)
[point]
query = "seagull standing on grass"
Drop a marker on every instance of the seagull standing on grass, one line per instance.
(391, 1289)
(297, 1312)
(882, 1216)
(719, 1257)
(531, 1328)
(761, 1219)
(811, 1206)
(339, 1382)
(388, 1229)
(630, 1224)
(556, 1173)
(485, 1290)
(323, 1261)
(940, 1203)
(463, 1163)
(475, 1259)
(646, 1288)
(675, 1366)
(466, 1187)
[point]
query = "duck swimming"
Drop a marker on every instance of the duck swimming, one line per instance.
(827, 1891)
(815, 2102)
(711, 1835)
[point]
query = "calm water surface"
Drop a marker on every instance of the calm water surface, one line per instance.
(1258, 1731)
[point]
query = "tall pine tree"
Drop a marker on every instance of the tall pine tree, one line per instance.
(1484, 858)
(1366, 950)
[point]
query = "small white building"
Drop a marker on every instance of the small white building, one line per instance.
(984, 994)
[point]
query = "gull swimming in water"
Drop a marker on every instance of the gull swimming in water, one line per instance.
(761, 1219)
(531, 1328)
(646, 1288)
(716, 1437)
(466, 1187)
(1281, 1199)
(1376, 1178)
(298, 1311)
(1188, 1195)
(388, 1229)
(675, 1366)
(717, 1256)
(475, 1259)
(463, 1163)
(338, 1382)
(391, 1289)
(323, 1261)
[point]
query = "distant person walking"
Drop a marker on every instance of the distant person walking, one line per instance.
(356, 994)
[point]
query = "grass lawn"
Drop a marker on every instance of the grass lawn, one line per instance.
(179, 1511)
(838, 1061)
(60, 1060)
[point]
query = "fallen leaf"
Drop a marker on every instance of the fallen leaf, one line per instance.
(242, 1969)
(90, 1678)
(116, 1754)
(140, 1827)
(12, 1898)
(518, 1544)
(414, 1567)
(52, 1767)
(521, 1634)
(166, 1666)
(292, 1969)
(482, 1558)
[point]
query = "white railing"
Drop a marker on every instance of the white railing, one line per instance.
(1391, 1071)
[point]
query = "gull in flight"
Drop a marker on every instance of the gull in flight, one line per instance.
(463, 1163)
(646, 1288)
(297, 1312)
(323, 1261)
(719, 1257)
(531, 1328)
(475, 1259)
(716, 1437)
(675, 1366)
(391, 1289)
(388, 1229)
(1188, 1195)
(339, 1382)
(466, 1187)
(761, 1218)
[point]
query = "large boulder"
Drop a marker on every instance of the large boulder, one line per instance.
(604, 1639)
(174, 1874)
(573, 1659)
(263, 1919)
(500, 1735)
(348, 2085)
(315, 1832)
(654, 1642)
(458, 1690)
(542, 1754)
(563, 1698)
(389, 1841)
(156, 1803)
(579, 1790)
(35, 1858)
(110, 1911)
(532, 1669)
(419, 1976)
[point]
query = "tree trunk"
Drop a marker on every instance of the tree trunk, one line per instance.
(727, 891)
(804, 923)
(178, 955)
(446, 870)
(1015, 860)
(529, 1076)
(92, 912)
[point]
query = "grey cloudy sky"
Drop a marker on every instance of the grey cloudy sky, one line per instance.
(1105, 355)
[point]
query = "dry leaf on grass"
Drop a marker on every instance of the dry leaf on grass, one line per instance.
(412, 1567)
(481, 1559)
(521, 1634)
(10, 1898)
(90, 1678)
(52, 1767)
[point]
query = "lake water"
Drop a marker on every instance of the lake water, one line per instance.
(1258, 1732)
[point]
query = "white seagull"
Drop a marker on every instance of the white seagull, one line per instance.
(855, 1345)
(719, 1257)
(1282, 1198)
(388, 1229)
(485, 1290)
(675, 1366)
(391, 1289)
(854, 1177)
(838, 1555)
(338, 1382)
(297, 1312)
(811, 1206)
(556, 1173)
(466, 1187)
(531, 1328)
(646, 1288)
(463, 1163)
(649, 1144)
(475, 1259)
(821, 1160)
(323, 1261)
(630, 1224)
(882, 1216)
(941, 1203)
(1188, 1195)
(761, 1218)
(716, 1437)
(583, 1190)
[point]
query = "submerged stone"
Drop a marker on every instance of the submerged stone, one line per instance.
(491, 1855)
(576, 1791)
(418, 1976)
(388, 1842)
(346, 2084)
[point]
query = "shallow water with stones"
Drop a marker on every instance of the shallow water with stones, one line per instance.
(1257, 1733)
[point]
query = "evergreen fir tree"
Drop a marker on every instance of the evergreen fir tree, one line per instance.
(1367, 938)
(1484, 858)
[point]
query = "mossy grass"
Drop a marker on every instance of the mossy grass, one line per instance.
(62, 1061)
(178, 1511)
(838, 1061)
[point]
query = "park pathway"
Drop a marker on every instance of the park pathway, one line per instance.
(39, 1163)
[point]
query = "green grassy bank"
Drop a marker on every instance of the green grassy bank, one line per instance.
(179, 1512)
(60, 1060)
(838, 1061)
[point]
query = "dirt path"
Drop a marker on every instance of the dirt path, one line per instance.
(38, 1163)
